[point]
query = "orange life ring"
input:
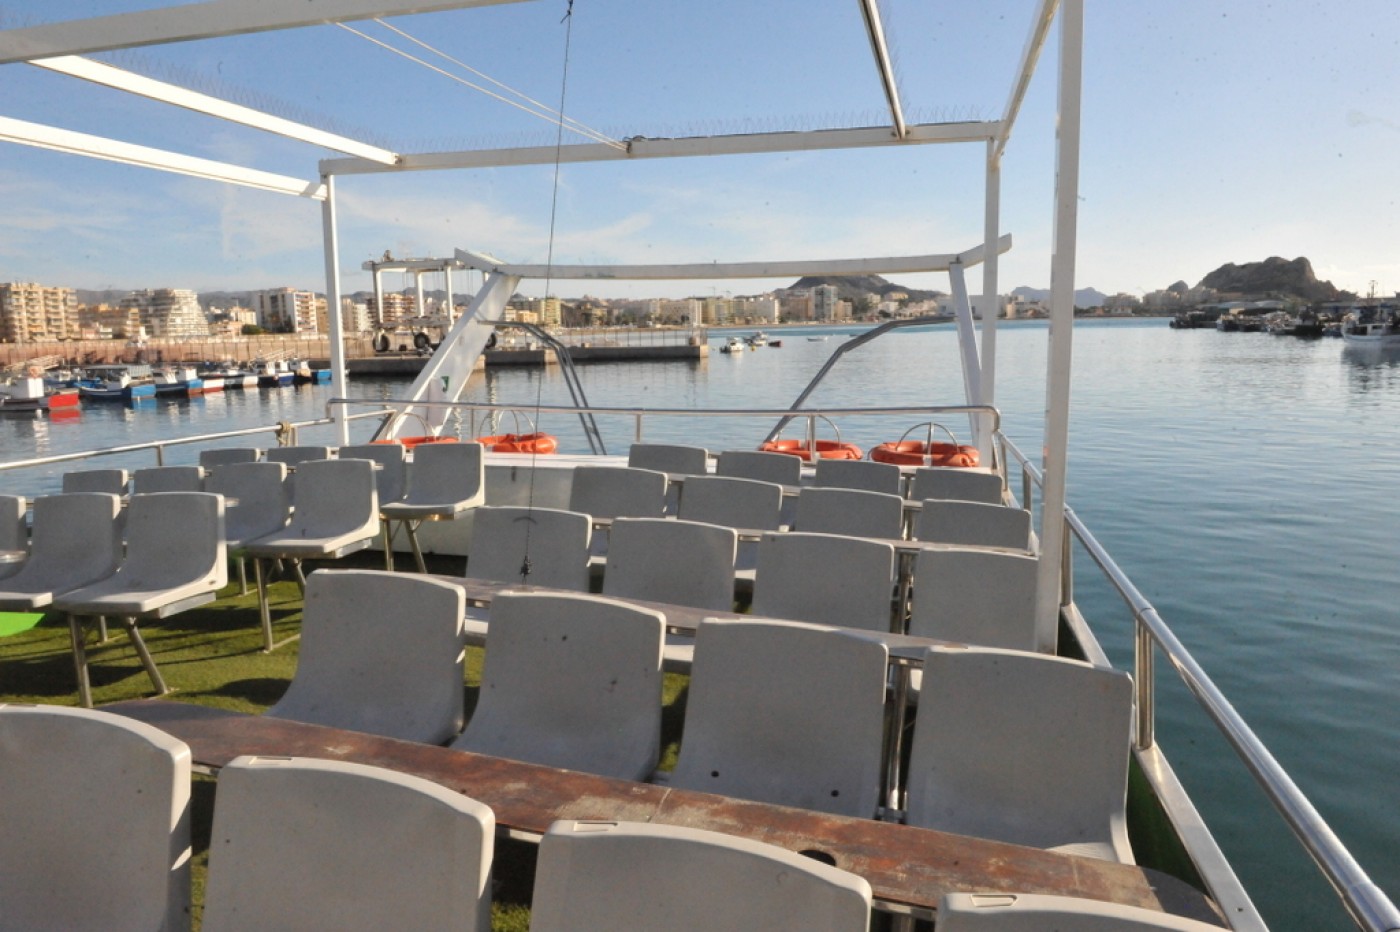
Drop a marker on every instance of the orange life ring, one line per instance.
(520, 443)
(914, 453)
(411, 442)
(826, 449)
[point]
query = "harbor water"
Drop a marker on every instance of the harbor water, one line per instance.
(1246, 482)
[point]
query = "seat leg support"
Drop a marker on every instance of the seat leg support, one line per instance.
(384, 525)
(242, 576)
(147, 660)
(80, 662)
(413, 542)
(102, 629)
(264, 612)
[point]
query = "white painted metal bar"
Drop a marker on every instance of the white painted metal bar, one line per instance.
(331, 240)
(1062, 269)
(206, 20)
(710, 270)
(119, 79)
(870, 9)
(991, 291)
(1040, 31)
(967, 347)
(639, 147)
(111, 150)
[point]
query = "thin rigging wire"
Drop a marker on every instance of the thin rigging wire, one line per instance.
(544, 115)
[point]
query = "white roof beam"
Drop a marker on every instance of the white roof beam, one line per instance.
(119, 79)
(111, 150)
(714, 270)
(202, 21)
(640, 147)
(876, 30)
(1040, 32)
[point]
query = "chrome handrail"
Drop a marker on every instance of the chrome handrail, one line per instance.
(1368, 905)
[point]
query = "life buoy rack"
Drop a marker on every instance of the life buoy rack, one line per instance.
(520, 443)
(411, 442)
(825, 449)
(917, 453)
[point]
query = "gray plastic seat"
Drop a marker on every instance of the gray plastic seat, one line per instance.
(607, 876)
(1026, 912)
(852, 512)
(960, 484)
(738, 503)
(617, 492)
(826, 579)
(95, 816)
(14, 535)
(176, 560)
(223, 456)
(785, 713)
(571, 681)
(973, 524)
(669, 457)
(380, 653)
(167, 479)
(322, 844)
(995, 755)
(444, 480)
(335, 512)
(296, 455)
(257, 501)
(392, 474)
(866, 475)
(75, 543)
(757, 464)
(981, 597)
(109, 481)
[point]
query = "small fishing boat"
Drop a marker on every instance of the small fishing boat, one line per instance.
(817, 339)
(1375, 326)
(228, 375)
(177, 382)
(759, 338)
(116, 383)
(734, 345)
(272, 373)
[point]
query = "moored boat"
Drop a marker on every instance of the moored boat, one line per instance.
(1376, 326)
(177, 381)
(116, 383)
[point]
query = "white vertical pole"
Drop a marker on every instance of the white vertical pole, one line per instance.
(451, 311)
(420, 308)
(967, 336)
(378, 295)
(990, 292)
(337, 341)
(1062, 268)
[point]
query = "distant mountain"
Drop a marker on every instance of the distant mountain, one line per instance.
(1272, 278)
(854, 287)
(1083, 297)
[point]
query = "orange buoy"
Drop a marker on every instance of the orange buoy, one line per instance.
(520, 443)
(914, 453)
(411, 442)
(825, 449)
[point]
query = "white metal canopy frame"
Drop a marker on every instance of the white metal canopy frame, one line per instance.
(60, 48)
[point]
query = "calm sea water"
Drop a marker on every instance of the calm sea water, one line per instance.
(1249, 484)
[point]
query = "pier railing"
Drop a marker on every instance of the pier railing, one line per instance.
(1368, 905)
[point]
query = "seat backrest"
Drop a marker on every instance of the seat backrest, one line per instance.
(299, 843)
(851, 512)
(756, 464)
(962, 484)
(382, 653)
(95, 810)
(13, 534)
(732, 502)
(973, 524)
(167, 479)
(785, 713)
(605, 876)
(982, 597)
(555, 541)
(263, 500)
(571, 681)
(75, 541)
(661, 560)
(391, 477)
(996, 755)
(1027, 912)
(110, 481)
(866, 475)
(222, 456)
(295, 455)
(826, 579)
(669, 457)
(175, 540)
(338, 497)
(446, 472)
(618, 492)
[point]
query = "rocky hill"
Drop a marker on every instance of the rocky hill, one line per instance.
(1272, 278)
(854, 287)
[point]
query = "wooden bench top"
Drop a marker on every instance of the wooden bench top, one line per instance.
(907, 866)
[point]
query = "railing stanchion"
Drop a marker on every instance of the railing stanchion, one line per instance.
(1144, 681)
(637, 430)
(1067, 569)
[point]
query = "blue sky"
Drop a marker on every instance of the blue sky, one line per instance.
(1213, 132)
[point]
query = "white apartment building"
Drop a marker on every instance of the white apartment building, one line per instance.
(31, 312)
(826, 301)
(761, 309)
(170, 313)
(286, 310)
(547, 311)
(355, 316)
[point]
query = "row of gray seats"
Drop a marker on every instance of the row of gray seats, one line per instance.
(782, 712)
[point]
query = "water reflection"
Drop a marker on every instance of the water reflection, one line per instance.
(1371, 368)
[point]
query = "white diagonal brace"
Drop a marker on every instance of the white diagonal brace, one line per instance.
(101, 73)
(100, 147)
(881, 50)
(202, 21)
(1035, 42)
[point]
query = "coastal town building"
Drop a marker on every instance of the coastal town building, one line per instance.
(355, 316)
(287, 310)
(166, 313)
(30, 312)
(394, 307)
(546, 311)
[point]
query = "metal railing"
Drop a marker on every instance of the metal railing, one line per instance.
(1368, 905)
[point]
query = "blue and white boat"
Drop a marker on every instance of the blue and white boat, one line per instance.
(177, 381)
(116, 383)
